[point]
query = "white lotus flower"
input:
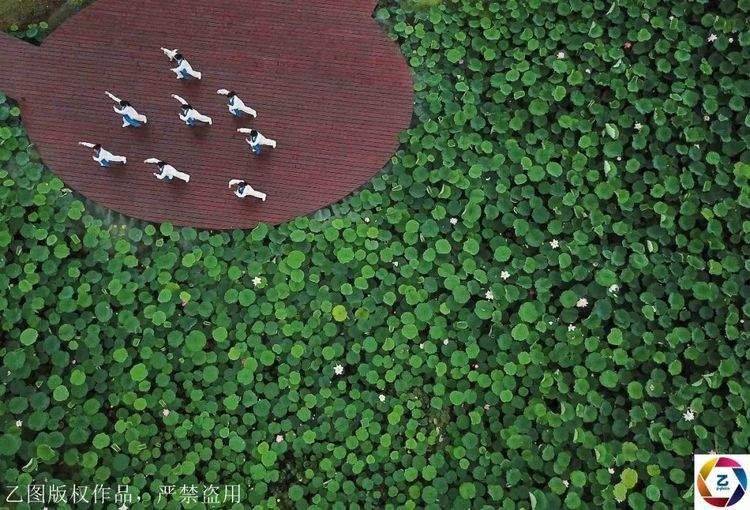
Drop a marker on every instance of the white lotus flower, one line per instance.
(638, 126)
(454, 221)
(582, 303)
(489, 295)
(279, 438)
(257, 281)
(614, 288)
(571, 327)
(560, 54)
(381, 397)
(505, 275)
(554, 244)
(338, 369)
(19, 423)
(712, 38)
(689, 415)
(165, 412)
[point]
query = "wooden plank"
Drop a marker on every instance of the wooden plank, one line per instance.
(327, 83)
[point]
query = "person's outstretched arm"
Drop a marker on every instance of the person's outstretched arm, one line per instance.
(113, 97)
(181, 100)
(170, 53)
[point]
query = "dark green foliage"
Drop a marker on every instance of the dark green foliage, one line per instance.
(541, 304)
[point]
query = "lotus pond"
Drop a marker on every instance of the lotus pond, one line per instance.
(541, 303)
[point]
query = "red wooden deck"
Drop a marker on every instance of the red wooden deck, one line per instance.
(327, 83)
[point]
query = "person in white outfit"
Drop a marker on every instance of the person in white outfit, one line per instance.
(183, 70)
(130, 116)
(190, 115)
(236, 106)
(257, 140)
(167, 171)
(103, 156)
(245, 190)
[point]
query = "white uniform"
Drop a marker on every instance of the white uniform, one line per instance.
(237, 106)
(245, 190)
(169, 172)
(192, 116)
(184, 69)
(104, 157)
(258, 141)
(130, 116)
(131, 112)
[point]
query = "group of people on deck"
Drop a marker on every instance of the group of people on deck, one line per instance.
(131, 118)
